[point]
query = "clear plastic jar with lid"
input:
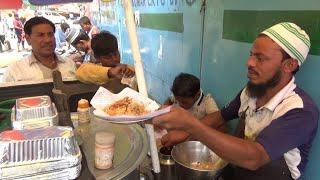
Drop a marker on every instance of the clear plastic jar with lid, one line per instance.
(104, 150)
(83, 111)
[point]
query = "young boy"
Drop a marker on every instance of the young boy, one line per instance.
(105, 49)
(188, 95)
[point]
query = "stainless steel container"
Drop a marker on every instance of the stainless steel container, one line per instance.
(191, 152)
(39, 151)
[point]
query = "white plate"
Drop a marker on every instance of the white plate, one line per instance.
(123, 119)
(103, 98)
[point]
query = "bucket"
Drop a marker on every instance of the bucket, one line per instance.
(5, 114)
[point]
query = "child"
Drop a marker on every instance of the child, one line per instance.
(105, 49)
(188, 95)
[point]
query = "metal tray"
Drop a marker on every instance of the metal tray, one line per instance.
(131, 147)
(63, 174)
(37, 122)
(33, 108)
(31, 168)
(26, 152)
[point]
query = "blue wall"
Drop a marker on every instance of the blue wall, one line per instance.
(180, 50)
(220, 63)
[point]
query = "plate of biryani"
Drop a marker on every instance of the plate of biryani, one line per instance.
(128, 106)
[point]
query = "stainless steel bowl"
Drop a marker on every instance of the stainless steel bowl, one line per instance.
(190, 152)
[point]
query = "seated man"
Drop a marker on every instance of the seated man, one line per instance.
(81, 41)
(105, 48)
(43, 60)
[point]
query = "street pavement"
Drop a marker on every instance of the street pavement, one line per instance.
(8, 57)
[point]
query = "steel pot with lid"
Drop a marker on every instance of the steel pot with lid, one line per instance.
(196, 161)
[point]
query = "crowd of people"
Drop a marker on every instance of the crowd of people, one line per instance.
(40, 34)
(12, 27)
(278, 120)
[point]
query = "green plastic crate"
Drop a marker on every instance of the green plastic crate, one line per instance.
(6, 108)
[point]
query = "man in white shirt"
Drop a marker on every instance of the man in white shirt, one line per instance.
(3, 31)
(10, 25)
(40, 64)
(86, 25)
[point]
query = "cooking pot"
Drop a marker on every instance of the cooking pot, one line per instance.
(196, 161)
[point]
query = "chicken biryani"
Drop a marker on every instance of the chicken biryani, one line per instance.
(202, 165)
(126, 106)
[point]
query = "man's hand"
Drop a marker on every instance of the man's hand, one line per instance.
(173, 138)
(121, 70)
(78, 64)
(177, 119)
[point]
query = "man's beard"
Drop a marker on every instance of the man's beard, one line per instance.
(259, 90)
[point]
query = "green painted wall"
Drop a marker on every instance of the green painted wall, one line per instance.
(162, 21)
(238, 26)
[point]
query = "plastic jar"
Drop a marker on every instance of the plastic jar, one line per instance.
(104, 150)
(83, 111)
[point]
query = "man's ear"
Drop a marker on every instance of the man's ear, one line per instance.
(83, 43)
(291, 65)
(28, 38)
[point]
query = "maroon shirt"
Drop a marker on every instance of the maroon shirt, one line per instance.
(17, 24)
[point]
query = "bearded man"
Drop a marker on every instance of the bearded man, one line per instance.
(278, 120)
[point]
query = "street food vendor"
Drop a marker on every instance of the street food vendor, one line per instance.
(43, 60)
(278, 120)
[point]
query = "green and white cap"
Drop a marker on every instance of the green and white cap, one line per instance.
(291, 38)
